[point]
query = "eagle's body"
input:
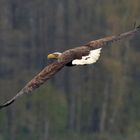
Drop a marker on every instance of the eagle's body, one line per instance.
(83, 55)
(74, 54)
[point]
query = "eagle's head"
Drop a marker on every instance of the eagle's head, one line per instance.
(54, 55)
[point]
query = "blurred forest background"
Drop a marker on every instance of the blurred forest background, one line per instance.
(95, 102)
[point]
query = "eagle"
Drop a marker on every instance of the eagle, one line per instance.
(83, 55)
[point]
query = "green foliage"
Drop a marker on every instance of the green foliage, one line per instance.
(54, 103)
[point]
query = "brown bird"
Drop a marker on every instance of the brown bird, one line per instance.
(83, 55)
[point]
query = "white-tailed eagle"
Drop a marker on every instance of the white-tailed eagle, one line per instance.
(86, 54)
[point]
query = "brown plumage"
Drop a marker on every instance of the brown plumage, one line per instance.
(85, 53)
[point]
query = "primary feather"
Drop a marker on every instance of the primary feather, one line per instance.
(38, 80)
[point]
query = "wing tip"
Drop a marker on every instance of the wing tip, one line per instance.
(6, 104)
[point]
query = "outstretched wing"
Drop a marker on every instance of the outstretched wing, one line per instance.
(90, 52)
(38, 80)
(107, 40)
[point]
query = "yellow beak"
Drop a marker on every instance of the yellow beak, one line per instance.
(52, 56)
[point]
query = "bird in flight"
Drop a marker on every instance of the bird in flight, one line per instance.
(83, 55)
